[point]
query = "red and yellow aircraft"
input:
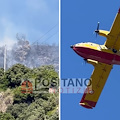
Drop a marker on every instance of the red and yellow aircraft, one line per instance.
(102, 57)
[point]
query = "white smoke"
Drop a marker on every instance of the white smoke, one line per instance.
(30, 55)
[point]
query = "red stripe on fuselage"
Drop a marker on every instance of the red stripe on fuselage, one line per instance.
(97, 55)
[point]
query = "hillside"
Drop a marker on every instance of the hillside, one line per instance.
(40, 105)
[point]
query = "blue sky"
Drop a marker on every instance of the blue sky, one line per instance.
(30, 17)
(78, 21)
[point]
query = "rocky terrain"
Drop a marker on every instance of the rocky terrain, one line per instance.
(6, 99)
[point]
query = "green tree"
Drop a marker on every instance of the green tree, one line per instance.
(22, 97)
(16, 109)
(6, 116)
(35, 111)
(47, 76)
(3, 81)
(16, 74)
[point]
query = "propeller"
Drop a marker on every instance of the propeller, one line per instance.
(97, 31)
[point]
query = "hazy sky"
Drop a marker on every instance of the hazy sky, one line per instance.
(34, 18)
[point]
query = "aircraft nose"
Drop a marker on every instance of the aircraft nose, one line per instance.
(71, 46)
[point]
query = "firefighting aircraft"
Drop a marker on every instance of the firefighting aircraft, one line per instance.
(102, 57)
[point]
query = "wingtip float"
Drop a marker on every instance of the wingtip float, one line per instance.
(102, 57)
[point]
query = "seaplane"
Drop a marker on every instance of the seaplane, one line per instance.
(102, 57)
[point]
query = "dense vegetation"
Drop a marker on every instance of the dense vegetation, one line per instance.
(40, 105)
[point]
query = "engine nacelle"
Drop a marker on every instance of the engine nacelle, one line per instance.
(103, 33)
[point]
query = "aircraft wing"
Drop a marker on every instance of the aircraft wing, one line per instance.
(113, 39)
(98, 78)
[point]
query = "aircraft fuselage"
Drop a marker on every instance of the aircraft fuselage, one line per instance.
(97, 52)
